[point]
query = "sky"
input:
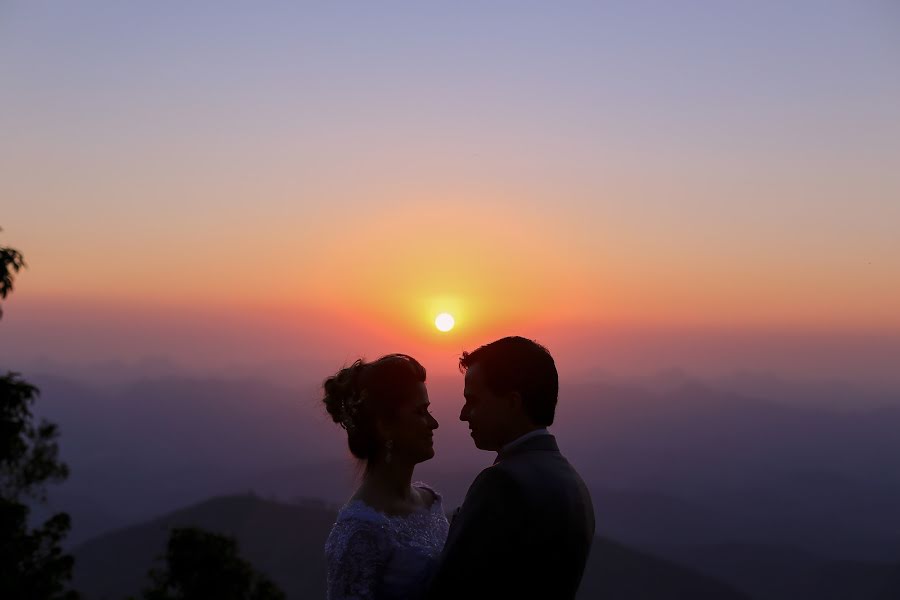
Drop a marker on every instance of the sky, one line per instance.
(639, 185)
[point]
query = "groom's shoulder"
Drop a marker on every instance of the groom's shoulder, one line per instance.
(496, 474)
(538, 464)
(496, 480)
(511, 472)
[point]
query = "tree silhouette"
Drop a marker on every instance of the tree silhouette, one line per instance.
(29, 454)
(11, 262)
(202, 565)
(32, 563)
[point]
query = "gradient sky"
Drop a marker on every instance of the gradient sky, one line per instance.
(640, 184)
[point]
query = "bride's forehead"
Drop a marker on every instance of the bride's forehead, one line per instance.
(420, 396)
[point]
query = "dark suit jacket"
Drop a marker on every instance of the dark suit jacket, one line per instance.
(523, 531)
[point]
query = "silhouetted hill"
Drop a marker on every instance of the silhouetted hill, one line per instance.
(768, 572)
(641, 517)
(765, 572)
(617, 572)
(286, 542)
(857, 580)
(140, 449)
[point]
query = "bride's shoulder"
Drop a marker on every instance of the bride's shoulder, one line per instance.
(357, 525)
(357, 514)
(429, 495)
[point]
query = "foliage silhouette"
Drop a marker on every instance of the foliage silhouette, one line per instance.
(29, 454)
(201, 565)
(32, 562)
(11, 262)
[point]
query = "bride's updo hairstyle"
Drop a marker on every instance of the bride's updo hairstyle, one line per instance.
(359, 394)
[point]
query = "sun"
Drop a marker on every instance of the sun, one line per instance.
(444, 322)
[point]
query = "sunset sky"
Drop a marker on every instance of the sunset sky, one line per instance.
(640, 185)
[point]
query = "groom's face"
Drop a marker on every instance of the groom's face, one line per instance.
(486, 413)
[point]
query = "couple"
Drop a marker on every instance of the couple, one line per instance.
(525, 527)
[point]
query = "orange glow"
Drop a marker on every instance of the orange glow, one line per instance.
(406, 265)
(388, 266)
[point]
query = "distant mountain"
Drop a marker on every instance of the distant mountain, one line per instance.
(768, 572)
(617, 572)
(90, 517)
(819, 393)
(765, 572)
(138, 449)
(842, 580)
(823, 479)
(644, 518)
(671, 461)
(286, 542)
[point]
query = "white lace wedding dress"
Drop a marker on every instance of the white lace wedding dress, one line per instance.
(373, 556)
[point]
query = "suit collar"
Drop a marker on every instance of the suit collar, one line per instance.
(545, 442)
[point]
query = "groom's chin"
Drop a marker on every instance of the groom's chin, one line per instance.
(482, 445)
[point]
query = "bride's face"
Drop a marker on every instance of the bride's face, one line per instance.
(412, 429)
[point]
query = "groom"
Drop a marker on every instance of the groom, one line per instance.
(526, 525)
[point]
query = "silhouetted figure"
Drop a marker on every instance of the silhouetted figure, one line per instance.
(526, 525)
(388, 537)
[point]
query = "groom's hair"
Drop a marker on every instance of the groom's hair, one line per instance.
(517, 364)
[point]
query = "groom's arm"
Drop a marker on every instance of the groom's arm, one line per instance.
(481, 537)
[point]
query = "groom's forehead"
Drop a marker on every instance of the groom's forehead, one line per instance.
(472, 376)
(474, 379)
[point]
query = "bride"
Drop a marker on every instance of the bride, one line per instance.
(388, 537)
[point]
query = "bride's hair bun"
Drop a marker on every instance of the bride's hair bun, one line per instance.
(340, 389)
(357, 395)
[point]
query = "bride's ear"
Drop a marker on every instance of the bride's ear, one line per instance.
(382, 430)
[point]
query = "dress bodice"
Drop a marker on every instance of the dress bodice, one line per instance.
(372, 555)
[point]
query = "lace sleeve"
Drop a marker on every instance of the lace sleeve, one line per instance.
(356, 552)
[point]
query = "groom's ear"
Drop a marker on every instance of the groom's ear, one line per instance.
(515, 401)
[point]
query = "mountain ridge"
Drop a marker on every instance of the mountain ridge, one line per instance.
(285, 541)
